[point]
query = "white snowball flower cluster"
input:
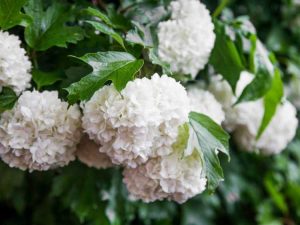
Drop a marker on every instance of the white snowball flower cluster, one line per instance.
(88, 153)
(187, 39)
(144, 128)
(276, 137)
(244, 119)
(223, 93)
(174, 177)
(40, 133)
(179, 175)
(140, 122)
(204, 102)
(171, 177)
(14, 64)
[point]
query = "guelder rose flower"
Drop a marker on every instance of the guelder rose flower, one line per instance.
(140, 184)
(179, 175)
(221, 89)
(174, 177)
(244, 119)
(276, 137)
(40, 133)
(88, 153)
(14, 64)
(204, 102)
(186, 40)
(223, 93)
(140, 122)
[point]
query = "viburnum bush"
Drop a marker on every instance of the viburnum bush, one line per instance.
(118, 112)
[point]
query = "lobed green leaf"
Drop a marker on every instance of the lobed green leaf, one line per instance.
(118, 67)
(211, 139)
(11, 15)
(48, 28)
(107, 30)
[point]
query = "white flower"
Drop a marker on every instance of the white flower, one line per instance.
(172, 177)
(292, 91)
(186, 40)
(245, 118)
(40, 133)
(140, 122)
(222, 91)
(177, 176)
(277, 135)
(140, 184)
(14, 64)
(204, 102)
(88, 153)
(263, 56)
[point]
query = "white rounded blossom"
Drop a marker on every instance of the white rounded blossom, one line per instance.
(179, 175)
(141, 185)
(244, 119)
(174, 177)
(223, 93)
(277, 135)
(14, 64)
(140, 122)
(88, 153)
(187, 39)
(40, 133)
(204, 102)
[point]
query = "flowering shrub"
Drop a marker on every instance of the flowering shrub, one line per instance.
(118, 112)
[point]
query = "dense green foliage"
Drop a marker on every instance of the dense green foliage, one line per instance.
(257, 189)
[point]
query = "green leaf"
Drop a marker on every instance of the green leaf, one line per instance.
(100, 15)
(262, 82)
(211, 139)
(74, 74)
(118, 19)
(146, 37)
(260, 85)
(141, 35)
(7, 99)
(45, 78)
(107, 30)
(225, 57)
(147, 11)
(266, 214)
(153, 56)
(113, 19)
(276, 194)
(49, 28)
(271, 100)
(11, 15)
(252, 54)
(119, 67)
